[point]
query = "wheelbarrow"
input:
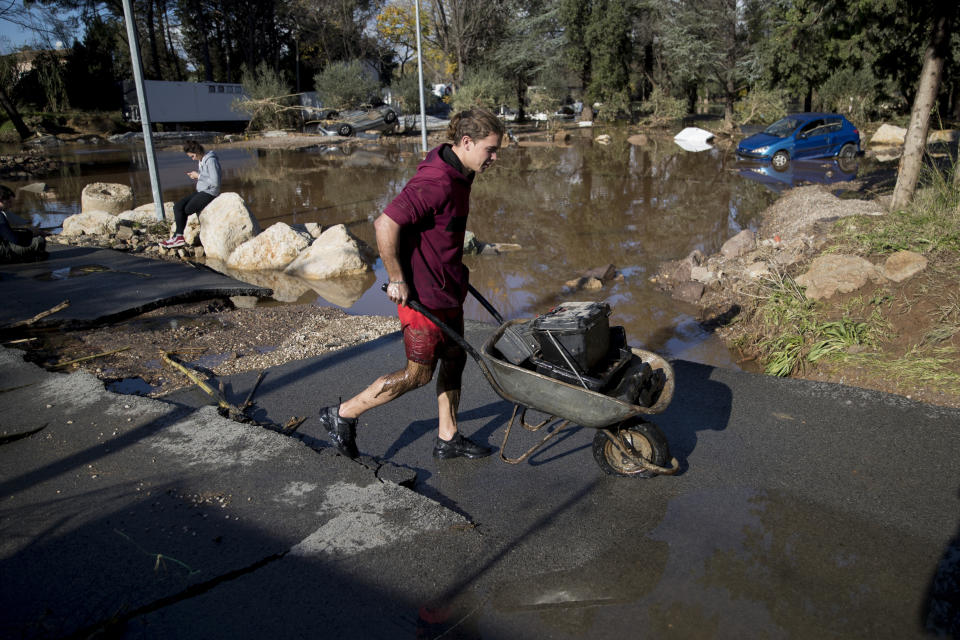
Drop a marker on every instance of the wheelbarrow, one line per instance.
(626, 444)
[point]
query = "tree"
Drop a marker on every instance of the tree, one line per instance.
(96, 64)
(343, 85)
(927, 88)
(530, 50)
(708, 40)
(467, 31)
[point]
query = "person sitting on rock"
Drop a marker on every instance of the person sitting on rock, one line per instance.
(17, 245)
(208, 188)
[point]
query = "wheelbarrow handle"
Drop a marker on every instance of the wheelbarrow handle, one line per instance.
(460, 340)
(486, 304)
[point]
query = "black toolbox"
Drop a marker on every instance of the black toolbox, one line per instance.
(578, 331)
(596, 380)
(517, 343)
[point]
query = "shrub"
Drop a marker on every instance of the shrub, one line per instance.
(267, 100)
(663, 108)
(852, 93)
(345, 85)
(760, 105)
(481, 88)
(406, 91)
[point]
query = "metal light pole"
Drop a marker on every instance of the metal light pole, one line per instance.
(423, 110)
(144, 113)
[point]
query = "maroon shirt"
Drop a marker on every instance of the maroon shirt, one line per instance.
(432, 213)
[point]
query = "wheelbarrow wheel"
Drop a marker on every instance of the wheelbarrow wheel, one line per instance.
(645, 438)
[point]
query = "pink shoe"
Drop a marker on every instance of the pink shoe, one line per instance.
(173, 243)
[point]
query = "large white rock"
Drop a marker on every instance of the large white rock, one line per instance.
(91, 223)
(191, 230)
(106, 196)
(888, 134)
(903, 265)
(225, 224)
(836, 273)
(275, 248)
(334, 253)
(146, 214)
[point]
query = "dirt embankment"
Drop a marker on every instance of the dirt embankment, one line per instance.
(874, 330)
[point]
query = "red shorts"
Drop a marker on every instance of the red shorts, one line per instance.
(425, 342)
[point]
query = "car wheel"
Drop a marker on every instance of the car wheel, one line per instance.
(847, 151)
(390, 117)
(780, 160)
(345, 130)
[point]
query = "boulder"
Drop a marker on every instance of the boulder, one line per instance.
(226, 225)
(689, 292)
(335, 253)
(836, 273)
(191, 230)
(639, 139)
(757, 270)
(703, 275)
(275, 248)
(604, 138)
(739, 244)
(91, 223)
(903, 265)
(888, 134)
(945, 136)
(106, 196)
(146, 214)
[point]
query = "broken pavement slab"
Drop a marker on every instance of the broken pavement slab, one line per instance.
(105, 286)
(146, 503)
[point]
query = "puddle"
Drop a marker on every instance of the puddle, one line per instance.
(82, 270)
(132, 387)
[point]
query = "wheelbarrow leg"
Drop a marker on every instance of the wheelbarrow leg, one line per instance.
(523, 422)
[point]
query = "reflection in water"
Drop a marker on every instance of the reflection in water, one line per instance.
(571, 208)
(800, 172)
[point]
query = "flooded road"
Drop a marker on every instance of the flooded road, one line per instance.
(571, 208)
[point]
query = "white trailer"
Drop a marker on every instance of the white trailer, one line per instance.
(186, 102)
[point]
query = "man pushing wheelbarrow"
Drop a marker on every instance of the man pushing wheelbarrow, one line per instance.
(420, 237)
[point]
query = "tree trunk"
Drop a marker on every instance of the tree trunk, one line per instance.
(916, 140)
(730, 95)
(152, 37)
(14, 115)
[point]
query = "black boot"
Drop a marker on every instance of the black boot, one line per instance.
(459, 446)
(342, 431)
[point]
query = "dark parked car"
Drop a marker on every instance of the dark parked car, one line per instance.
(347, 123)
(802, 135)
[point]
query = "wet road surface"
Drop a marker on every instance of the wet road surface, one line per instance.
(801, 509)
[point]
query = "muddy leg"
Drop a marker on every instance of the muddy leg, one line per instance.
(386, 388)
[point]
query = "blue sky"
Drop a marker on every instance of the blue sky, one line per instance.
(14, 36)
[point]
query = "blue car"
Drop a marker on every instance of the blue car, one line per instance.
(802, 135)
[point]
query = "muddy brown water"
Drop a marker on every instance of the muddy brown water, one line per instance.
(571, 208)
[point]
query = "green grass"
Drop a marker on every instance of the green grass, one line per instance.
(798, 333)
(930, 224)
(922, 365)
